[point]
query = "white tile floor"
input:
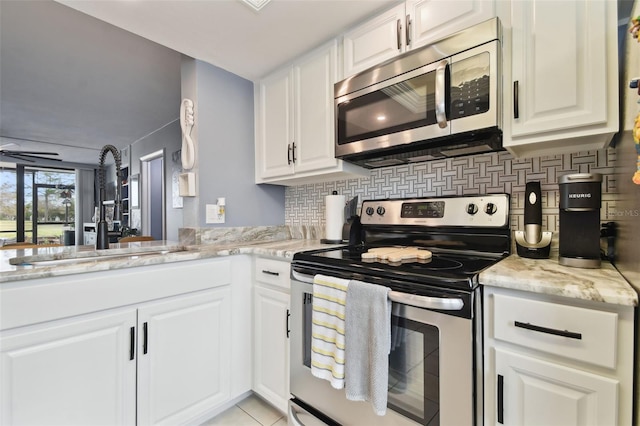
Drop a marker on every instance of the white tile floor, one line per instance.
(251, 411)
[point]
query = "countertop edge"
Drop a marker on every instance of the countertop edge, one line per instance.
(542, 276)
(546, 276)
(284, 249)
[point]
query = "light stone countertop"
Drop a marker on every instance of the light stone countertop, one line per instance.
(546, 276)
(534, 275)
(82, 259)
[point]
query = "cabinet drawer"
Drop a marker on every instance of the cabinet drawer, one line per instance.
(274, 272)
(578, 333)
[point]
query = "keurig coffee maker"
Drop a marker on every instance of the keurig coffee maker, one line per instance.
(580, 199)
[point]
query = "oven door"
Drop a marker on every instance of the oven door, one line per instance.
(431, 368)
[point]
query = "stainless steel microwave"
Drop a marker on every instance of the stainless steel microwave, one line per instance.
(442, 100)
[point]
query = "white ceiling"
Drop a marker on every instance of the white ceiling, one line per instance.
(71, 83)
(229, 33)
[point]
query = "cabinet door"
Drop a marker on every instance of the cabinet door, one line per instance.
(70, 372)
(380, 39)
(314, 77)
(271, 352)
(275, 125)
(536, 392)
(559, 65)
(431, 20)
(183, 362)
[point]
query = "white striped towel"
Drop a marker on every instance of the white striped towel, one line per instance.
(327, 329)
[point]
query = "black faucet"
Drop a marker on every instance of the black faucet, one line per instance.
(102, 237)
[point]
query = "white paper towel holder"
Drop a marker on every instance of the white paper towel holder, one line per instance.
(329, 240)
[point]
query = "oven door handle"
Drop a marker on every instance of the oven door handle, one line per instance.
(426, 302)
(303, 278)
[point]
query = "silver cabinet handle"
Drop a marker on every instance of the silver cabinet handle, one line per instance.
(407, 30)
(441, 91)
(443, 304)
(399, 34)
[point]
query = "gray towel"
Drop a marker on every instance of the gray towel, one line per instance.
(367, 344)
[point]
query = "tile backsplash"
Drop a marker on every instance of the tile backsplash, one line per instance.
(490, 173)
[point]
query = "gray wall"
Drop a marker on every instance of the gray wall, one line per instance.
(169, 139)
(225, 151)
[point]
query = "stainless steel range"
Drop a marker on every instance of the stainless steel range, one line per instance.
(429, 252)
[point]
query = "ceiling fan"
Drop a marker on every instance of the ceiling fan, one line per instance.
(30, 156)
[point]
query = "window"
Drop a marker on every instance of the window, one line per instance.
(44, 209)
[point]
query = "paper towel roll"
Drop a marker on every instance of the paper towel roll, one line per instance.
(334, 217)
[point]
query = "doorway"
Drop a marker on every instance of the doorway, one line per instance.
(152, 206)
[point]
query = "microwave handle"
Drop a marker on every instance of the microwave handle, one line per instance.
(441, 91)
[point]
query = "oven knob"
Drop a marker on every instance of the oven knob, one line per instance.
(380, 210)
(490, 209)
(369, 211)
(472, 209)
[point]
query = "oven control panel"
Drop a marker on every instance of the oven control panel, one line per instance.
(473, 211)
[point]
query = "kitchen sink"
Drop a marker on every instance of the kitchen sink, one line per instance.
(70, 257)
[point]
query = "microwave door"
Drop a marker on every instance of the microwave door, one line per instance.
(475, 77)
(401, 110)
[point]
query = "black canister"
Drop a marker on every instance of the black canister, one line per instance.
(580, 201)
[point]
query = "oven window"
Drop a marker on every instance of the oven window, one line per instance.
(414, 365)
(414, 369)
(405, 105)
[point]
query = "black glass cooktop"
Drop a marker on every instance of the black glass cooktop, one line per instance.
(453, 270)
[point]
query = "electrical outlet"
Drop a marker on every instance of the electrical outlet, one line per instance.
(214, 213)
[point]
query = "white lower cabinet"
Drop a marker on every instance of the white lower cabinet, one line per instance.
(183, 356)
(84, 370)
(536, 392)
(271, 332)
(149, 345)
(551, 360)
(73, 372)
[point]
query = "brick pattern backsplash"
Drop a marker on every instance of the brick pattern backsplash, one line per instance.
(490, 173)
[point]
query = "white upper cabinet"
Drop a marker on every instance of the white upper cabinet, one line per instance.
(431, 20)
(409, 25)
(561, 82)
(313, 79)
(295, 122)
(375, 41)
(275, 127)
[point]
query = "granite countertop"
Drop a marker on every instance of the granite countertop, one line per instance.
(546, 276)
(61, 261)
